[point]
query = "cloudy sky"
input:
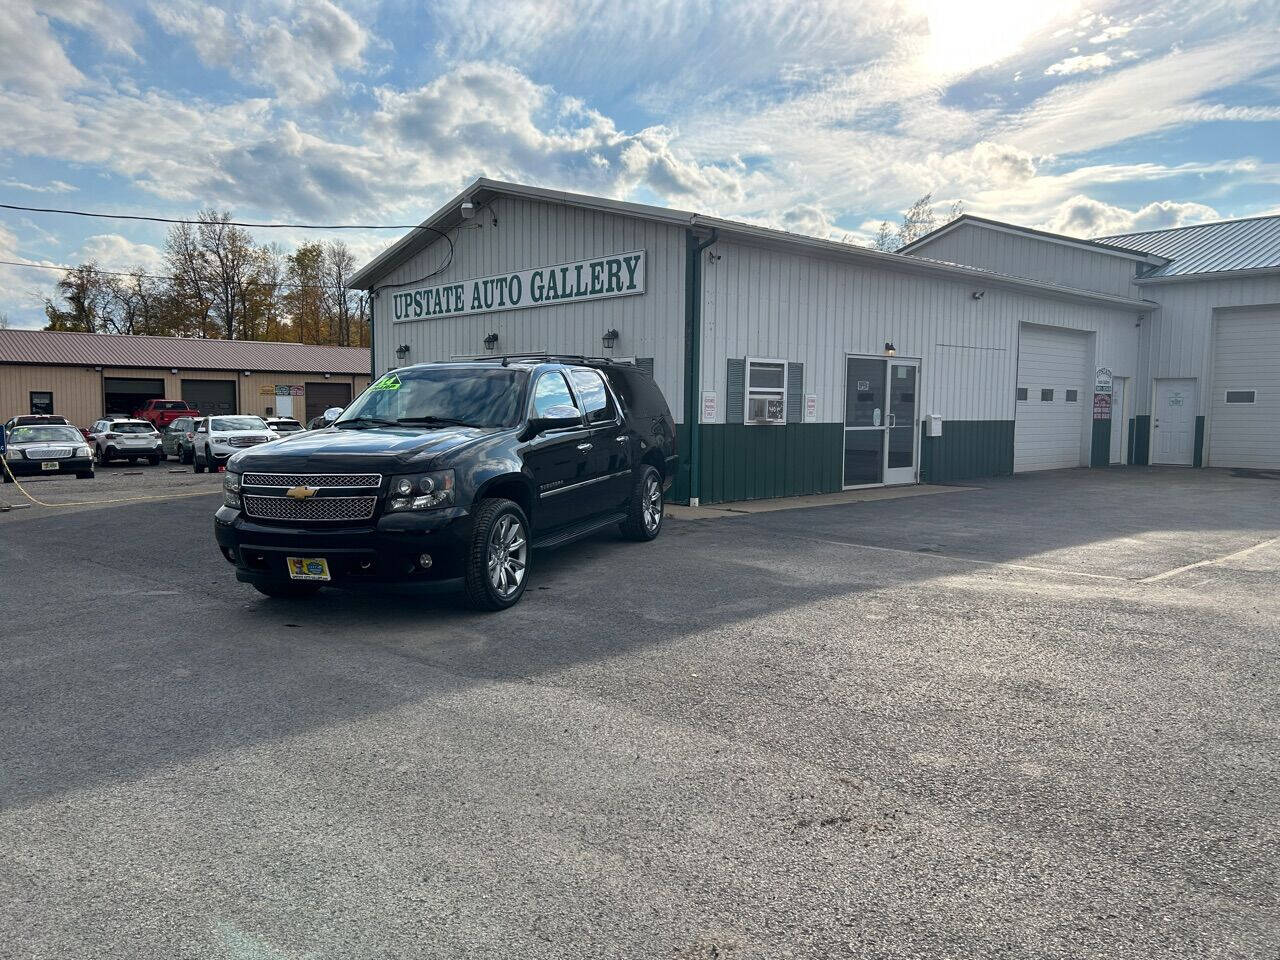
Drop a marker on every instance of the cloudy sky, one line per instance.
(820, 116)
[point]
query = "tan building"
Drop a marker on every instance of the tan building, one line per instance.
(86, 376)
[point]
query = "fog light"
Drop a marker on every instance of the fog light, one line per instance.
(424, 561)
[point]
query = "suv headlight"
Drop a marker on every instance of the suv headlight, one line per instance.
(231, 490)
(422, 491)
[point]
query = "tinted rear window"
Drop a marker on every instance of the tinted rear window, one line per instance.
(131, 428)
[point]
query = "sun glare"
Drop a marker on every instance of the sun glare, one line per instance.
(966, 35)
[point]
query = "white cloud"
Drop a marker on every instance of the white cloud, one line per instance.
(1084, 216)
(1138, 100)
(299, 52)
(1113, 32)
(32, 60)
(111, 251)
(1091, 63)
(53, 186)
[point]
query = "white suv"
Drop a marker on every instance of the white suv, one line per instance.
(217, 438)
(123, 438)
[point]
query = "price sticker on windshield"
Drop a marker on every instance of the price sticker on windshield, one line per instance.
(389, 382)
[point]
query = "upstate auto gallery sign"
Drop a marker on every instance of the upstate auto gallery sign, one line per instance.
(618, 275)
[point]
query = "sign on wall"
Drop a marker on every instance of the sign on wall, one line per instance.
(280, 390)
(1102, 406)
(708, 406)
(1103, 380)
(617, 275)
(810, 408)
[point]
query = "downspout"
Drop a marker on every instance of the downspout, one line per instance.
(373, 358)
(692, 351)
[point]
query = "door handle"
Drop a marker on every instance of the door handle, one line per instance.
(621, 439)
(584, 447)
(893, 420)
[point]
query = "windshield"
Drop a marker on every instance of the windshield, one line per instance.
(465, 395)
(168, 405)
(45, 435)
(132, 428)
(237, 423)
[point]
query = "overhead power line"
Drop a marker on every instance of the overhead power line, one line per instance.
(229, 223)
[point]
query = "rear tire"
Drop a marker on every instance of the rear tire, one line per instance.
(645, 509)
(84, 475)
(287, 591)
(196, 464)
(497, 561)
(155, 461)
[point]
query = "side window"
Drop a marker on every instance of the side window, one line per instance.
(551, 391)
(595, 398)
(202, 428)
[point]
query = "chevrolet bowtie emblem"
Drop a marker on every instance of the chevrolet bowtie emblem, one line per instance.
(301, 493)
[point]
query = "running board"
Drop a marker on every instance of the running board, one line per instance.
(578, 531)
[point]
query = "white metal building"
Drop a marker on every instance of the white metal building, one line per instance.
(793, 365)
(1206, 389)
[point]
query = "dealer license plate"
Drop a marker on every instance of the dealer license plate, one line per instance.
(49, 465)
(308, 568)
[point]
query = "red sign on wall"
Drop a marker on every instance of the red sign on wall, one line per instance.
(1101, 406)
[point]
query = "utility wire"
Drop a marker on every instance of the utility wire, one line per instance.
(229, 223)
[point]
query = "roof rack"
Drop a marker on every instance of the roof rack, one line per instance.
(541, 355)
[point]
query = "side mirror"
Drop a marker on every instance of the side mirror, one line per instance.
(333, 413)
(557, 417)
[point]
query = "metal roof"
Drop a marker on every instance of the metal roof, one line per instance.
(109, 350)
(482, 189)
(1098, 246)
(1225, 247)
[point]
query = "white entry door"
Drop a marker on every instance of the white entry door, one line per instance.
(1173, 422)
(1119, 419)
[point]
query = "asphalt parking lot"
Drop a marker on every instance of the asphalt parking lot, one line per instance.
(1032, 719)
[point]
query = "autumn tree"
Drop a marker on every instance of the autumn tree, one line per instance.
(84, 301)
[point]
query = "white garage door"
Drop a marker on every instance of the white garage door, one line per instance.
(1052, 375)
(1244, 416)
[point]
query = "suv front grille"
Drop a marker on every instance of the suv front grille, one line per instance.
(313, 509)
(318, 480)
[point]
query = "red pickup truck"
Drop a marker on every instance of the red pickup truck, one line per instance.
(161, 413)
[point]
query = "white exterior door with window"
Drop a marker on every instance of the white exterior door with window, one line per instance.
(1173, 422)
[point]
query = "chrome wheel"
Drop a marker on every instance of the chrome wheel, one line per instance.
(508, 555)
(652, 505)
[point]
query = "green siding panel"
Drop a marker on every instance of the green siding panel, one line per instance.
(741, 462)
(1141, 434)
(967, 450)
(1197, 458)
(1100, 452)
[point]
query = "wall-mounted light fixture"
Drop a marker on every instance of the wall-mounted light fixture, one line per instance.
(328, 375)
(246, 373)
(979, 294)
(97, 369)
(467, 210)
(889, 349)
(402, 351)
(491, 341)
(173, 369)
(609, 339)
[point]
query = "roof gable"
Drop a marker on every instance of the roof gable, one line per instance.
(1224, 247)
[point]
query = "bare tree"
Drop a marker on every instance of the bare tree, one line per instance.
(884, 238)
(86, 297)
(339, 264)
(5, 322)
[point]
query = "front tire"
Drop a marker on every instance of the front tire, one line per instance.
(196, 464)
(287, 591)
(84, 475)
(645, 509)
(497, 563)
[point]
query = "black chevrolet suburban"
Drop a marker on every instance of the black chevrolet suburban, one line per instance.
(452, 472)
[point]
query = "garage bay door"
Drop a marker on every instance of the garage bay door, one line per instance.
(1052, 376)
(121, 396)
(321, 396)
(1245, 411)
(210, 397)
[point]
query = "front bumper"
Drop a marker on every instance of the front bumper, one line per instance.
(33, 468)
(385, 550)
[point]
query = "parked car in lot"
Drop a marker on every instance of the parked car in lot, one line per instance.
(283, 426)
(161, 413)
(125, 439)
(452, 472)
(216, 439)
(324, 420)
(176, 439)
(28, 419)
(47, 449)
